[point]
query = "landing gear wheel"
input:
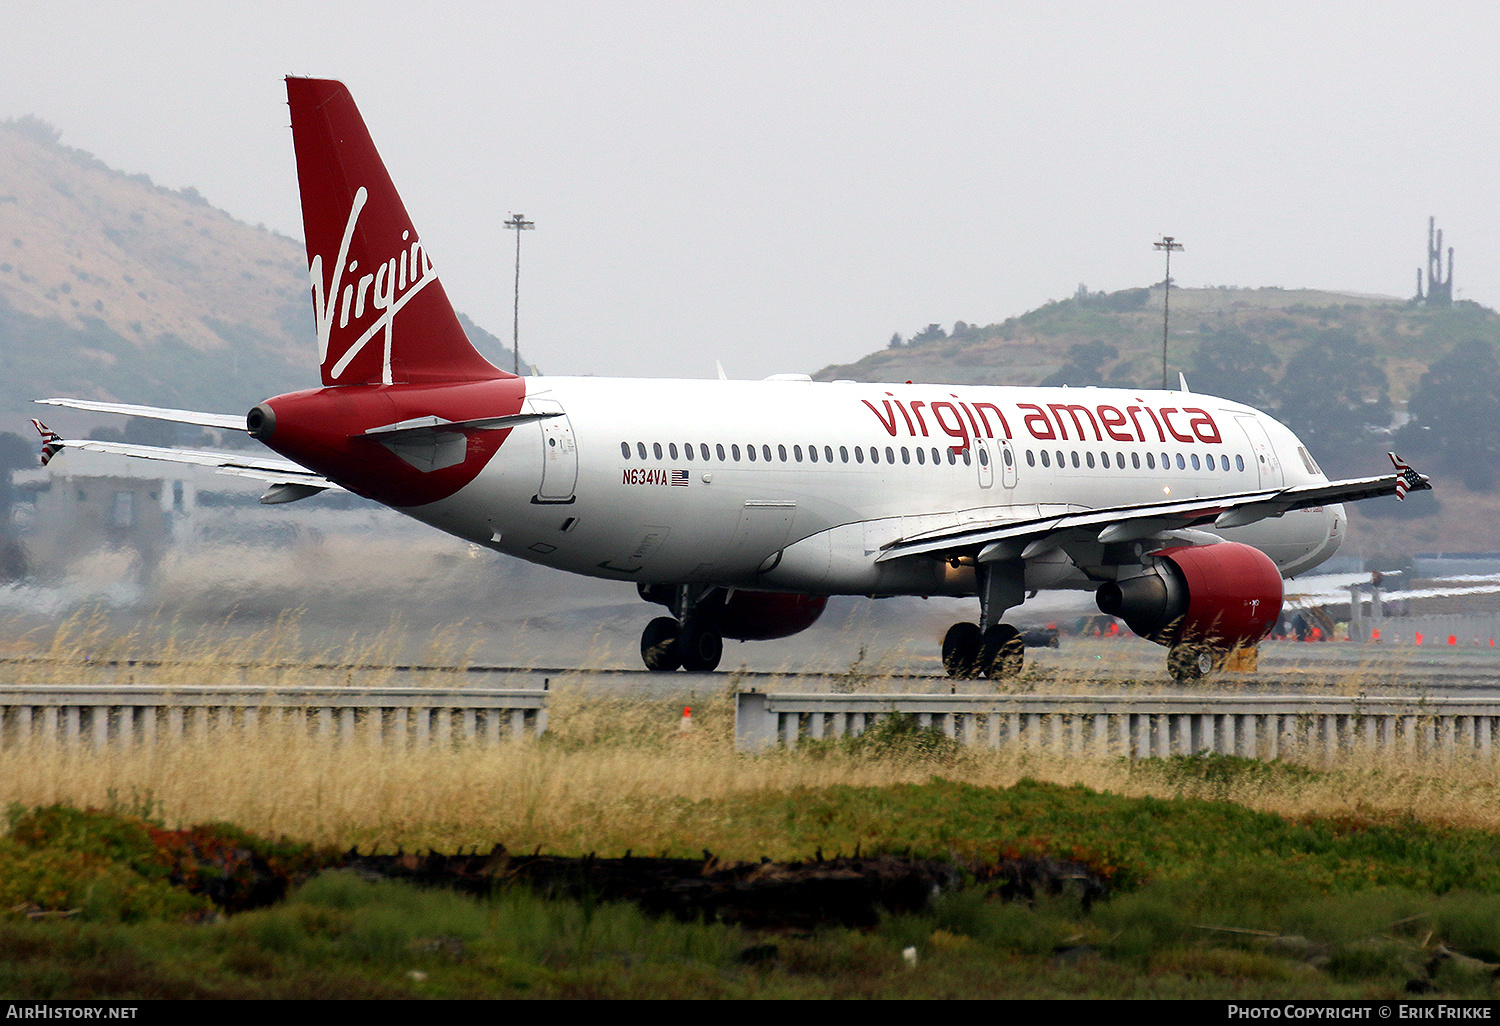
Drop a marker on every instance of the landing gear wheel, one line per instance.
(659, 648)
(961, 650)
(700, 650)
(1001, 652)
(1191, 662)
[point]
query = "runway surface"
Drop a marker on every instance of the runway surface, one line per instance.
(1117, 665)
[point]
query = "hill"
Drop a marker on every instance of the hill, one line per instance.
(112, 287)
(1027, 349)
(1354, 375)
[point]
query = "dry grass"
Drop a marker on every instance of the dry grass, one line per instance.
(619, 775)
(612, 774)
(86, 649)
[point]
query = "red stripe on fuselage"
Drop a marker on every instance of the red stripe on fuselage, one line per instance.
(319, 429)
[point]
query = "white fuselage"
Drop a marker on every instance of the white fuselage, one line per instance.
(654, 480)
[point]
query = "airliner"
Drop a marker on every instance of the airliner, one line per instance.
(741, 506)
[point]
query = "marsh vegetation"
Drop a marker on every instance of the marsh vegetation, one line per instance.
(1228, 876)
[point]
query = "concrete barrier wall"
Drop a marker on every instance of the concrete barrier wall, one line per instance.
(99, 716)
(1140, 727)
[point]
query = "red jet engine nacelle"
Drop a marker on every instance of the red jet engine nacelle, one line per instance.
(1221, 595)
(763, 615)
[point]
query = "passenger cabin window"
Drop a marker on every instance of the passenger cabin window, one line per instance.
(625, 449)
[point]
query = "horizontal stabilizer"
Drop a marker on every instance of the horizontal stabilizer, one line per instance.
(225, 421)
(288, 491)
(427, 425)
(223, 461)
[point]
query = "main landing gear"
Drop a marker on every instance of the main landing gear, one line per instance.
(970, 652)
(688, 640)
(1188, 662)
(989, 648)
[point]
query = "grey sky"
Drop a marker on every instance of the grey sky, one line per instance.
(781, 186)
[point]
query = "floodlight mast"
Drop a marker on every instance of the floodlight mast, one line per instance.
(519, 223)
(1167, 243)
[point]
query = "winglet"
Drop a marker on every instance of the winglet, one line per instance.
(1407, 479)
(52, 442)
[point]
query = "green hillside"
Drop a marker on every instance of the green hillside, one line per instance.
(1027, 349)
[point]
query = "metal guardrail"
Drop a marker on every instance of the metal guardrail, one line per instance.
(1141, 726)
(102, 715)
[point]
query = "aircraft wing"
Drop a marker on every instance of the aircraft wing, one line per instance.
(288, 481)
(1333, 589)
(1009, 538)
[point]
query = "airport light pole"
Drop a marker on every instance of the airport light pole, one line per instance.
(1167, 243)
(520, 224)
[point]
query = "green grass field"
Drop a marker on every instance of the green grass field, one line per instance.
(1210, 898)
(1229, 877)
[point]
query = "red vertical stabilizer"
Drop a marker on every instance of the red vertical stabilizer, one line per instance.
(382, 315)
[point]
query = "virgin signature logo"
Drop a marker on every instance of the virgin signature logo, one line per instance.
(383, 290)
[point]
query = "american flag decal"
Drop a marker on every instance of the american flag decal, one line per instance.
(1406, 478)
(51, 441)
(679, 478)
